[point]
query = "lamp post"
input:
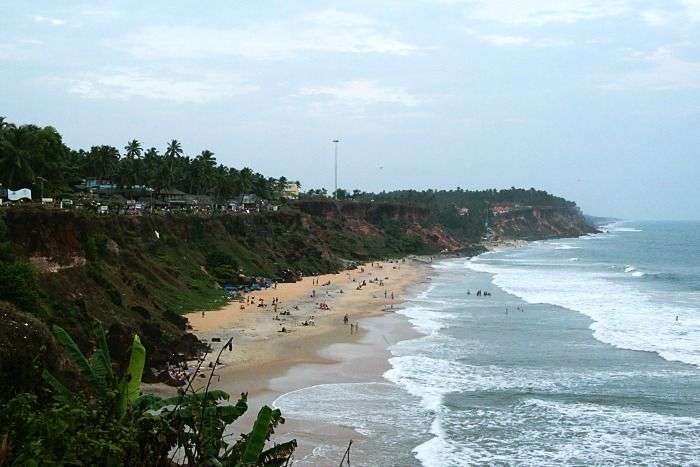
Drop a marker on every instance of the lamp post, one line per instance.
(41, 180)
(335, 192)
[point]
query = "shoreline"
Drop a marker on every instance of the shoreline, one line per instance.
(268, 364)
(308, 314)
(261, 351)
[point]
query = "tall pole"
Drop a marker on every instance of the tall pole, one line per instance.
(335, 192)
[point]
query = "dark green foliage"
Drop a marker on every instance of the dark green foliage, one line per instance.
(107, 423)
(72, 431)
(30, 154)
(95, 247)
(18, 285)
(223, 266)
(97, 274)
(18, 279)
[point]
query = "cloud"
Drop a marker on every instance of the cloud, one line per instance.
(50, 21)
(507, 40)
(19, 49)
(539, 12)
(503, 40)
(692, 9)
(125, 83)
(357, 96)
(664, 71)
(101, 12)
(655, 17)
(325, 31)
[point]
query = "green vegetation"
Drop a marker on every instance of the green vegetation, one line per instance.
(36, 158)
(105, 420)
(465, 213)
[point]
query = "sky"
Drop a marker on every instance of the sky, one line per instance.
(594, 100)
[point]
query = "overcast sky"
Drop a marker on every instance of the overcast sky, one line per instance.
(594, 100)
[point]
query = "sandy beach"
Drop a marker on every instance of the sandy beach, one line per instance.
(267, 363)
(265, 335)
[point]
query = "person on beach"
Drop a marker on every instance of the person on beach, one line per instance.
(345, 319)
(392, 295)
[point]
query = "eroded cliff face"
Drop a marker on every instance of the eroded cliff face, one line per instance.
(378, 219)
(138, 274)
(536, 223)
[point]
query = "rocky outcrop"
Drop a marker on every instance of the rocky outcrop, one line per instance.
(536, 223)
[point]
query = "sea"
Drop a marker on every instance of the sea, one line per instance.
(583, 351)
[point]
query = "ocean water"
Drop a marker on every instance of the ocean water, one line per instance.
(587, 352)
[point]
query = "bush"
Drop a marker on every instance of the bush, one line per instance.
(223, 266)
(18, 285)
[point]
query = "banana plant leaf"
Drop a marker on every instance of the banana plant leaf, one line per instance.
(210, 434)
(230, 413)
(131, 385)
(79, 359)
(101, 360)
(279, 455)
(255, 443)
(60, 391)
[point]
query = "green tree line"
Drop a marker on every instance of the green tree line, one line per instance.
(37, 158)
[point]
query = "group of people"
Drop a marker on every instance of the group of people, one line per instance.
(316, 281)
(479, 293)
(354, 327)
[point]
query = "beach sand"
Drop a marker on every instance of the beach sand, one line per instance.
(267, 363)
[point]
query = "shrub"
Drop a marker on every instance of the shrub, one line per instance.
(18, 285)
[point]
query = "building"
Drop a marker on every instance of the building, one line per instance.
(291, 190)
(248, 202)
(174, 198)
(97, 185)
(498, 209)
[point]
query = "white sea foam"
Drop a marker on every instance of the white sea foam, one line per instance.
(625, 315)
(527, 429)
(549, 432)
(565, 246)
(625, 229)
(364, 407)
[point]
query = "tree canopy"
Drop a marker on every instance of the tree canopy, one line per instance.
(31, 156)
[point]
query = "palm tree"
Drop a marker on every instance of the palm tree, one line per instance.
(4, 124)
(130, 169)
(133, 149)
(245, 180)
(206, 163)
(16, 155)
(172, 152)
(152, 168)
(174, 149)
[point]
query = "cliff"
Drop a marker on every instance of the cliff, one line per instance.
(139, 274)
(537, 223)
